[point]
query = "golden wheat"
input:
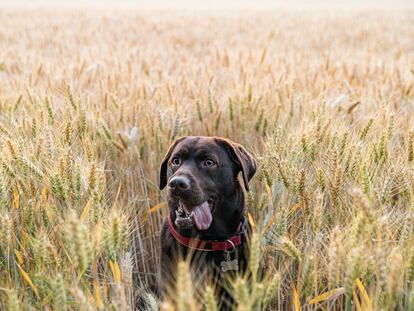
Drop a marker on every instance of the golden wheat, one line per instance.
(91, 99)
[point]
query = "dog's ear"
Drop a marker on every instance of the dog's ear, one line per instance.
(164, 163)
(245, 161)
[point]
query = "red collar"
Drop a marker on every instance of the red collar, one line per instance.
(206, 245)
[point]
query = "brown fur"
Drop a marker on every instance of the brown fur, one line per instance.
(220, 183)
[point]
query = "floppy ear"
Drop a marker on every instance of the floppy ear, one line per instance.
(245, 161)
(164, 163)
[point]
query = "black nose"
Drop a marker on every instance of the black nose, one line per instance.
(179, 183)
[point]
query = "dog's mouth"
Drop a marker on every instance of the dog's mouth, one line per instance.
(199, 215)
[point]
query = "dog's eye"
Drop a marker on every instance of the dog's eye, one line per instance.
(175, 161)
(209, 163)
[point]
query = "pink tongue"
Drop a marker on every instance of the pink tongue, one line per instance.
(202, 216)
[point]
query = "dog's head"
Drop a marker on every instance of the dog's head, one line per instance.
(201, 173)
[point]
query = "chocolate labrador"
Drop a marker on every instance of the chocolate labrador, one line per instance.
(206, 206)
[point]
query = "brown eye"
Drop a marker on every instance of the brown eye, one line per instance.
(209, 163)
(175, 161)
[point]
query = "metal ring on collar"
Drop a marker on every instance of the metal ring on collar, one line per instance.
(232, 245)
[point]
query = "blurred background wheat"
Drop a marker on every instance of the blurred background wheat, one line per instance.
(91, 98)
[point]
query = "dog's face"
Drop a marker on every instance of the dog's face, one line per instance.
(201, 173)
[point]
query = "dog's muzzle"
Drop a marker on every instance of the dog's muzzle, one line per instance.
(183, 220)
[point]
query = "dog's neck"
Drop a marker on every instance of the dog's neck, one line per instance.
(226, 218)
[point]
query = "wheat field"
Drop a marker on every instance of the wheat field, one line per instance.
(90, 100)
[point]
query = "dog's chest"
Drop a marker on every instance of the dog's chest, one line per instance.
(220, 261)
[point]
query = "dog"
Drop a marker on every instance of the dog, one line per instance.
(206, 207)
